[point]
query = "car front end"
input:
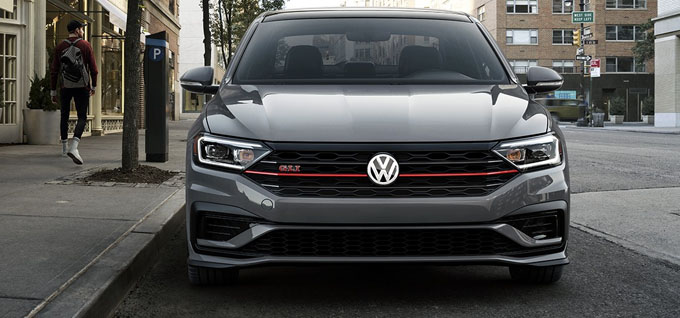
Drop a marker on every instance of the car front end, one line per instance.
(362, 172)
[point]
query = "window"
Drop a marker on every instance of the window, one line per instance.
(481, 13)
(560, 7)
(8, 78)
(563, 36)
(623, 65)
(564, 66)
(518, 36)
(626, 4)
(522, 6)
(112, 80)
(369, 51)
(9, 15)
(624, 33)
(171, 6)
(521, 66)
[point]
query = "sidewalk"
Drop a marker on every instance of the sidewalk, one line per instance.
(51, 233)
(629, 127)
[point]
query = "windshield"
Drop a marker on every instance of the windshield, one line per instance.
(361, 50)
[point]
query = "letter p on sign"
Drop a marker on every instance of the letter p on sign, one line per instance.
(156, 54)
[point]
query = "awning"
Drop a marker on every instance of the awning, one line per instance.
(7, 5)
(116, 16)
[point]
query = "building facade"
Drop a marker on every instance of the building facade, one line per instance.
(667, 59)
(539, 33)
(31, 30)
(191, 55)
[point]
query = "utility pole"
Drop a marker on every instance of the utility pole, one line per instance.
(583, 62)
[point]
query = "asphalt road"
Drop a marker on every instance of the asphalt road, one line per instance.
(604, 279)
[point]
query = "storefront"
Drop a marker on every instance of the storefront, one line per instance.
(29, 32)
(106, 20)
(16, 65)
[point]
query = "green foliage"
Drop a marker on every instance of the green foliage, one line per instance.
(644, 49)
(617, 106)
(229, 24)
(39, 94)
(648, 106)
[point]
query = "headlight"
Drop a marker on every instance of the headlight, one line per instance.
(228, 153)
(531, 152)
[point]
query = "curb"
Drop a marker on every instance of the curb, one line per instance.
(668, 259)
(98, 289)
(624, 130)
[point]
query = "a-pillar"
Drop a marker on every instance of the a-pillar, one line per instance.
(97, 33)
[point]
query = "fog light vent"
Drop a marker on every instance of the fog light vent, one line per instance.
(538, 227)
(219, 227)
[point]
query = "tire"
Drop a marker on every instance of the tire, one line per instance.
(205, 276)
(536, 274)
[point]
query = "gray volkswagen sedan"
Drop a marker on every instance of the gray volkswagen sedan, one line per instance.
(374, 136)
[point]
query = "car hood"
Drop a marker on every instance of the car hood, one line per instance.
(375, 113)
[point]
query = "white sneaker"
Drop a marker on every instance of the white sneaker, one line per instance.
(73, 151)
(64, 147)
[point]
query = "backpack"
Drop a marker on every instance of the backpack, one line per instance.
(73, 70)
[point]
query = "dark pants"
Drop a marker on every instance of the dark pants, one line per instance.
(81, 96)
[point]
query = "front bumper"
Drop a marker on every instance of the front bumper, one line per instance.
(236, 195)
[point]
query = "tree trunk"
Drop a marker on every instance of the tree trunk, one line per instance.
(219, 10)
(230, 26)
(132, 60)
(206, 33)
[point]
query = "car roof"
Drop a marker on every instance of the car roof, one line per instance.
(361, 12)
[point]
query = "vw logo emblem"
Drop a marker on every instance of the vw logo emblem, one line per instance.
(383, 169)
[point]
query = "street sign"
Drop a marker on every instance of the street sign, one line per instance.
(594, 72)
(583, 57)
(582, 17)
(587, 35)
(579, 51)
(595, 63)
(589, 41)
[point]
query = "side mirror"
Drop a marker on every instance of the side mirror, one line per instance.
(199, 80)
(542, 80)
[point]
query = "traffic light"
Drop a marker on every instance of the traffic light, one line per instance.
(576, 37)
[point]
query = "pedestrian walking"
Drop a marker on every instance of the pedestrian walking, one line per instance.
(75, 64)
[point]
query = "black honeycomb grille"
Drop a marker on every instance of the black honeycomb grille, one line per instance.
(219, 227)
(349, 243)
(410, 162)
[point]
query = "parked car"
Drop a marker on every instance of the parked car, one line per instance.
(563, 109)
(374, 136)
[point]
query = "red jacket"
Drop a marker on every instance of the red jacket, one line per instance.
(88, 60)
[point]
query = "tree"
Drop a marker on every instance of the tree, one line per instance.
(230, 21)
(644, 49)
(206, 33)
(132, 60)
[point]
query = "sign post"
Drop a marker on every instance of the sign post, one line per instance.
(156, 97)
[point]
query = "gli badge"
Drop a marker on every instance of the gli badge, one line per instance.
(289, 168)
(383, 169)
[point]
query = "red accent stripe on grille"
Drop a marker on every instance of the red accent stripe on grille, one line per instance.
(359, 175)
(330, 175)
(462, 174)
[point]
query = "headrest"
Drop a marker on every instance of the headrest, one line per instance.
(304, 61)
(416, 58)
